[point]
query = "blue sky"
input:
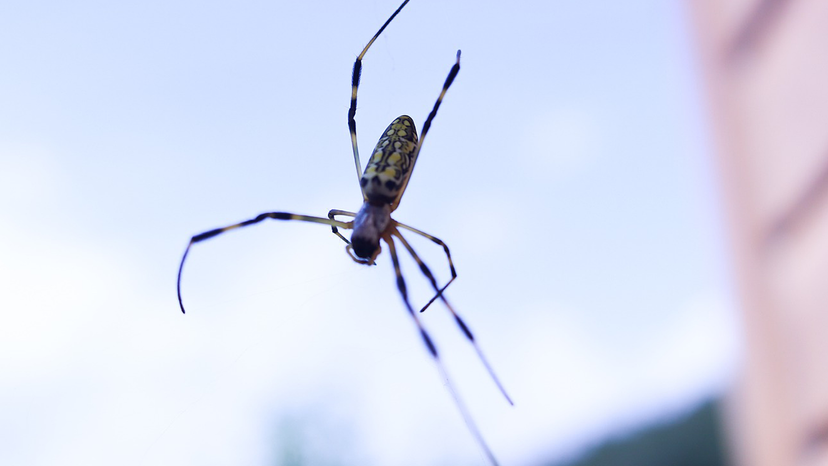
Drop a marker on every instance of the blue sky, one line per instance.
(568, 170)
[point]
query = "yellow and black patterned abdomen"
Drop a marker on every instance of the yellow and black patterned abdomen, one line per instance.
(390, 164)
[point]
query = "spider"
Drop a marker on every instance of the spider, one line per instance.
(383, 183)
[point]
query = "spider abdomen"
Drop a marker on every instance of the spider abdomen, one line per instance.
(391, 162)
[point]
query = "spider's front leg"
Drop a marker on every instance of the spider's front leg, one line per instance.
(334, 212)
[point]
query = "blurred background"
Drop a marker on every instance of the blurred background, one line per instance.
(585, 169)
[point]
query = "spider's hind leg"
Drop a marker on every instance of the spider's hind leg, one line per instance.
(433, 349)
(465, 328)
(439, 242)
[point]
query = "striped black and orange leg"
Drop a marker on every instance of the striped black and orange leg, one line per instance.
(465, 328)
(273, 215)
(355, 85)
(433, 350)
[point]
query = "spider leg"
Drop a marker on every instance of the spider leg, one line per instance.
(427, 125)
(424, 268)
(448, 256)
(355, 85)
(274, 215)
(334, 212)
(449, 79)
(433, 350)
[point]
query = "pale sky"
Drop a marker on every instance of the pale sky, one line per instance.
(569, 170)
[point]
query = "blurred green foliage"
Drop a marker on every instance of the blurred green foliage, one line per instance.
(692, 440)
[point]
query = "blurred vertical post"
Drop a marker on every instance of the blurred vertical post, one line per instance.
(765, 65)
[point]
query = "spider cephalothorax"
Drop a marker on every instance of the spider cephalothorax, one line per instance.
(370, 224)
